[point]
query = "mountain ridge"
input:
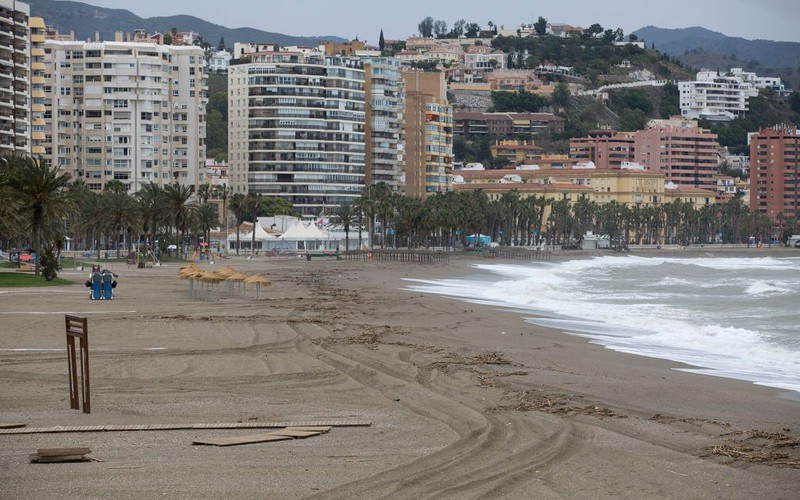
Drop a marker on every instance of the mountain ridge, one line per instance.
(84, 20)
(680, 41)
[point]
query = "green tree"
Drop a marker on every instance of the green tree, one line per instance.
(472, 30)
(458, 29)
(40, 193)
(425, 27)
(177, 203)
(561, 94)
(638, 99)
(254, 202)
(221, 44)
(632, 119)
(381, 42)
(120, 216)
(540, 26)
(238, 206)
(439, 28)
(592, 31)
(207, 217)
(345, 216)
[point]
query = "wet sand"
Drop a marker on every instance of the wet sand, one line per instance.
(465, 401)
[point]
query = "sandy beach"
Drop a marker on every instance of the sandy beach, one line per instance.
(465, 401)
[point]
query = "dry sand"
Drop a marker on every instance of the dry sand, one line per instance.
(465, 401)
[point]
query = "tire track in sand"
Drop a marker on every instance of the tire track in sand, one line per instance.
(492, 451)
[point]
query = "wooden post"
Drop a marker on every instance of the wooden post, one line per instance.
(77, 328)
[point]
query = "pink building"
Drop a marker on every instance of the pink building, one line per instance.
(685, 153)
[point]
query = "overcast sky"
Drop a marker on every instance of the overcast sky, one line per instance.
(767, 19)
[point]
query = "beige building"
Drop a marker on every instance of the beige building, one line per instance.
(428, 133)
(385, 115)
(126, 111)
(37, 75)
(15, 120)
(629, 186)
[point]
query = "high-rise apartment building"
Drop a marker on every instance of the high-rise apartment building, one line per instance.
(126, 111)
(775, 172)
(37, 82)
(384, 125)
(14, 77)
(429, 134)
(685, 153)
(297, 127)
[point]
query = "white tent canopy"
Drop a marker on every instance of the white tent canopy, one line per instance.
(304, 232)
(264, 240)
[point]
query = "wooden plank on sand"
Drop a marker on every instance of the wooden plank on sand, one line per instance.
(59, 452)
(296, 433)
(313, 428)
(175, 427)
(237, 440)
(57, 455)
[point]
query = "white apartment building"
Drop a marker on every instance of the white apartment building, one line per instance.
(759, 82)
(219, 61)
(385, 119)
(14, 77)
(715, 97)
(483, 57)
(297, 127)
(126, 111)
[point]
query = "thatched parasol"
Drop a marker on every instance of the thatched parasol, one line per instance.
(227, 271)
(236, 278)
(191, 273)
(211, 278)
(259, 280)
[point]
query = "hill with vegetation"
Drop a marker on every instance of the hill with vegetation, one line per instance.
(597, 59)
(85, 20)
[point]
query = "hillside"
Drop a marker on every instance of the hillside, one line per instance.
(677, 42)
(85, 20)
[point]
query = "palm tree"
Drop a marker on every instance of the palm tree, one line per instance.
(344, 216)
(150, 198)
(204, 192)
(121, 215)
(254, 203)
(178, 208)
(239, 208)
(41, 194)
(207, 216)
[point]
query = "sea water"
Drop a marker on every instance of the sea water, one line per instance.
(731, 317)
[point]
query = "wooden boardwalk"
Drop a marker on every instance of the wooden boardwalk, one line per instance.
(176, 427)
(410, 256)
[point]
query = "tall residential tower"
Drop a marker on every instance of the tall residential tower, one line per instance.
(126, 111)
(297, 127)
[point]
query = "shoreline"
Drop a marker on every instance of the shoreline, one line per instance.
(459, 409)
(541, 318)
